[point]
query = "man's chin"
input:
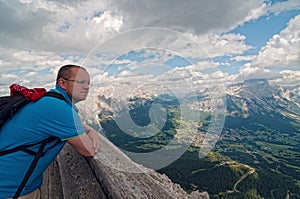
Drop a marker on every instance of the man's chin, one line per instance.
(82, 98)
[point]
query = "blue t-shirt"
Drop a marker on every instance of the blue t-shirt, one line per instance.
(47, 117)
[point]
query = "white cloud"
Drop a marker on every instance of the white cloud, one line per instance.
(192, 77)
(257, 12)
(243, 58)
(128, 75)
(7, 77)
(30, 68)
(179, 81)
(282, 49)
(109, 21)
(78, 26)
(44, 35)
(254, 72)
(267, 7)
(31, 74)
(37, 60)
(226, 44)
(285, 6)
(289, 78)
(56, 26)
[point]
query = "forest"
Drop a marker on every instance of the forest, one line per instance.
(253, 158)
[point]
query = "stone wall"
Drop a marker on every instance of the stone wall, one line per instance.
(107, 176)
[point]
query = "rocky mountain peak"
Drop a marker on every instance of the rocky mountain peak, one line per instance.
(257, 96)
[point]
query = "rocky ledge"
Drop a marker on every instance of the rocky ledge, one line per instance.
(108, 175)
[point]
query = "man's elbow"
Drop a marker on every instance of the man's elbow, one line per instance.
(83, 145)
(88, 154)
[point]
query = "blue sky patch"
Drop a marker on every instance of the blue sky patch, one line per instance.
(258, 32)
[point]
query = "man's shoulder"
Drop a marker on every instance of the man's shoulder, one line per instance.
(50, 103)
(53, 97)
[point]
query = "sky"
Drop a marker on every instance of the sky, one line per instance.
(172, 43)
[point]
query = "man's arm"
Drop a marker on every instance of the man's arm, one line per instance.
(93, 135)
(86, 144)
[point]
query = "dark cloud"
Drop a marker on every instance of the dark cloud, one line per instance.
(20, 23)
(197, 16)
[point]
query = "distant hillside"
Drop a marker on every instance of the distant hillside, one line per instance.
(262, 131)
(256, 96)
(257, 153)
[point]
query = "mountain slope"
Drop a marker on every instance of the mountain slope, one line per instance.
(257, 154)
(259, 103)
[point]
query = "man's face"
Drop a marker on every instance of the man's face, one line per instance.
(77, 86)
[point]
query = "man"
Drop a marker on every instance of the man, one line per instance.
(44, 118)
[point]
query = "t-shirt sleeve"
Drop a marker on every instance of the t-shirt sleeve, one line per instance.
(60, 120)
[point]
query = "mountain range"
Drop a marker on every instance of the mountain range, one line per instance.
(257, 152)
(256, 96)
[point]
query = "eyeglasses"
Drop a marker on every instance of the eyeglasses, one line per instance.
(80, 82)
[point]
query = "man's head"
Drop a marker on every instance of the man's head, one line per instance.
(75, 80)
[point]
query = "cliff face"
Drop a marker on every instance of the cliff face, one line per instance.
(109, 175)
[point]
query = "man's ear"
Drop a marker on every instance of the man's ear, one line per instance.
(62, 83)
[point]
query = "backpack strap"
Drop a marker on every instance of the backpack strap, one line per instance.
(38, 155)
(56, 95)
(26, 147)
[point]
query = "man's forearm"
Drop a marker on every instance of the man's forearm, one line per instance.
(93, 135)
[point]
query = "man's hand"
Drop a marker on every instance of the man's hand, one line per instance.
(94, 136)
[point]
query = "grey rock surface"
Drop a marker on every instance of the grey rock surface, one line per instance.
(110, 174)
